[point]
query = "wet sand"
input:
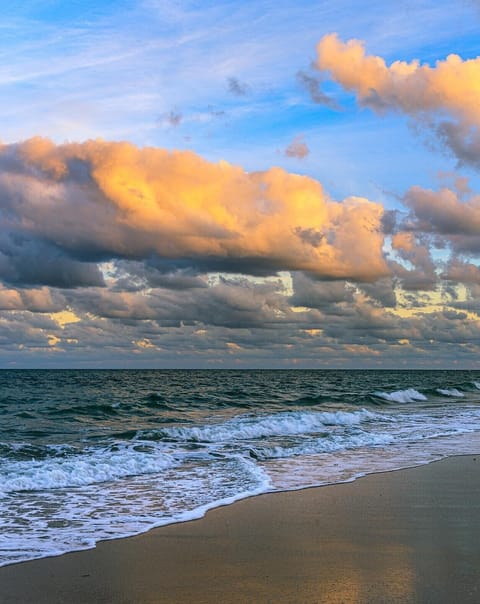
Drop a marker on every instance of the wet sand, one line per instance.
(410, 536)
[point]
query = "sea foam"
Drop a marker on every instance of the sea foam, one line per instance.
(88, 468)
(410, 395)
(330, 444)
(280, 424)
(450, 392)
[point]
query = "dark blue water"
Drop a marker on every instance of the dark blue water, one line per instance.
(89, 455)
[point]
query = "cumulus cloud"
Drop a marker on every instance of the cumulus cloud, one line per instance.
(325, 296)
(151, 253)
(40, 300)
(447, 214)
(85, 203)
(234, 302)
(443, 211)
(462, 272)
(381, 293)
(445, 97)
(414, 248)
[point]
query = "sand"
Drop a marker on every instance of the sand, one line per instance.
(406, 536)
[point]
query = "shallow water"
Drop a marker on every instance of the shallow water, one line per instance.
(90, 455)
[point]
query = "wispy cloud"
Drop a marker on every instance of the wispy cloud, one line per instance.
(313, 86)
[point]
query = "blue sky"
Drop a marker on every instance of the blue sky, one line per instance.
(120, 70)
(229, 82)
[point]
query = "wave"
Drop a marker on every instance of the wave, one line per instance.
(452, 392)
(330, 444)
(410, 395)
(253, 427)
(156, 401)
(310, 400)
(96, 410)
(32, 452)
(90, 467)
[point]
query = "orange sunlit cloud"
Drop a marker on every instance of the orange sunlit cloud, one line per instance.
(450, 89)
(452, 85)
(132, 202)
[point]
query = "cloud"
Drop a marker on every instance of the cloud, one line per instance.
(237, 88)
(445, 214)
(298, 148)
(174, 118)
(445, 97)
(313, 294)
(41, 300)
(462, 272)
(414, 249)
(128, 240)
(84, 203)
(30, 261)
(463, 139)
(313, 87)
(443, 211)
(381, 293)
(234, 302)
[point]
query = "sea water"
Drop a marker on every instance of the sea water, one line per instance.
(92, 455)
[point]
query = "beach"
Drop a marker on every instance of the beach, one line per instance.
(406, 536)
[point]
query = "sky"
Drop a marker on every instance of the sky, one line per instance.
(255, 184)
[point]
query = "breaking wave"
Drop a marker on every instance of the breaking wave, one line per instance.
(410, 395)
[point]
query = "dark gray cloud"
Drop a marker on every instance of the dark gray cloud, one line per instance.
(459, 271)
(451, 220)
(381, 293)
(442, 212)
(136, 276)
(320, 295)
(233, 323)
(229, 303)
(389, 221)
(24, 261)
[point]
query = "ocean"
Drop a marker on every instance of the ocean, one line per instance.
(90, 455)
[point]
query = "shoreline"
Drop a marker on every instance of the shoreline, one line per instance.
(407, 535)
(200, 513)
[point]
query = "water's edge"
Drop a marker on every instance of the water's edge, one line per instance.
(200, 513)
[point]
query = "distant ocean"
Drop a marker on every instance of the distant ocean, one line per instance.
(92, 455)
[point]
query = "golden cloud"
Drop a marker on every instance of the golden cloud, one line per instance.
(104, 200)
(452, 85)
(450, 89)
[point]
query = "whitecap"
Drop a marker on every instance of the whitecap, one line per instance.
(91, 467)
(410, 395)
(280, 424)
(450, 392)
